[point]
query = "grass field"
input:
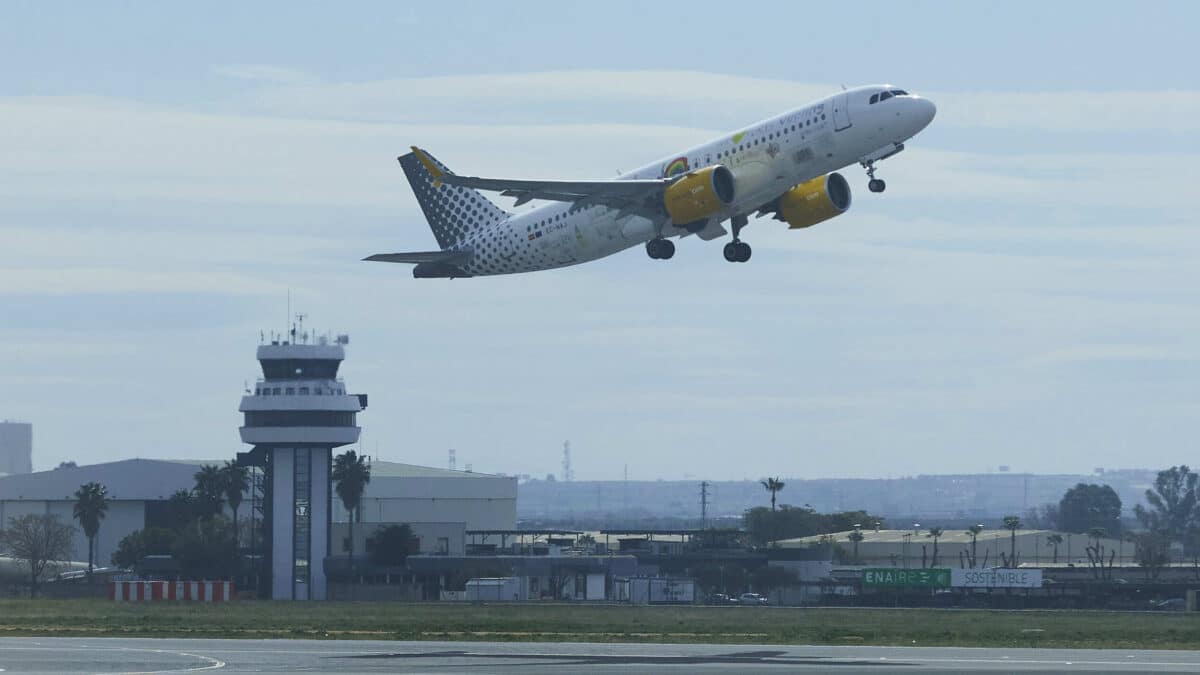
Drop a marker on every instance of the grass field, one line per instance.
(534, 622)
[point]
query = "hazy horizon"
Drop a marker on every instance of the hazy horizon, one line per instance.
(1024, 294)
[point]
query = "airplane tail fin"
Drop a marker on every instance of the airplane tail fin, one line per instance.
(452, 212)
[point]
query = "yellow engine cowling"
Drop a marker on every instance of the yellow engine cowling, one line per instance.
(819, 199)
(699, 194)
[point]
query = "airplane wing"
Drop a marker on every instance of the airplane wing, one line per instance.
(445, 257)
(641, 196)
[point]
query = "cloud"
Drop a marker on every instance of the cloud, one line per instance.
(264, 73)
(664, 94)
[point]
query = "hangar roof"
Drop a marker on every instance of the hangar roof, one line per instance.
(135, 479)
(381, 469)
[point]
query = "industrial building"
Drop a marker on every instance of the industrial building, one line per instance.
(136, 488)
(16, 448)
(441, 503)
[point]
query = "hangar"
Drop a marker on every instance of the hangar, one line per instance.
(442, 502)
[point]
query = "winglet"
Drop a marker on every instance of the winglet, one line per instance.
(426, 162)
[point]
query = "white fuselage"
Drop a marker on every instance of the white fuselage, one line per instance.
(767, 159)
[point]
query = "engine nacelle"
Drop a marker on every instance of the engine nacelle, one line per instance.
(817, 200)
(699, 194)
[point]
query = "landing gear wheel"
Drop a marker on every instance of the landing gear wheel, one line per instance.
(731, 251)
(737, 251)
(660, 249)
(743, 252)
(875, 184)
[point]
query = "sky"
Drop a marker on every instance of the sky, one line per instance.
(1024, 293)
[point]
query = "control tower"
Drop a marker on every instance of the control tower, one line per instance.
(297, 414)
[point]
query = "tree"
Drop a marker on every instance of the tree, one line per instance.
(1150, 552)
(1054, 540)
(206, 551)
(1173, 505)
(773, 485)
(351, 474)
(393, 545)
(936, 533)
(1086, 506)
(210, 490)
(235, 481)
(140, 543)
(855, 537)
(35, 541)
(973, 532)
(181, 509)
(91, 505)
(1012, 524)
(764, 525)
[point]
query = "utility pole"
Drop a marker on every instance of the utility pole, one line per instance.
(704, 485)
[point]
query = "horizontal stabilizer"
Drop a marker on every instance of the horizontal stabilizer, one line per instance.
(419, 257)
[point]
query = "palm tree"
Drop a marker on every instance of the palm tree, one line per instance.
(91, 505)
(236, 480)
(856, 536)
(1054, 540)
(773, 485)
(210, 489)
(1012, 524)
(936, 533)
(351, 473)
(973, 532)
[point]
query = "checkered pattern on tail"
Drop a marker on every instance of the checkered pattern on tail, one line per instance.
(452, 212)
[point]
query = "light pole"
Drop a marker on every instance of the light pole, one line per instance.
(907, 536)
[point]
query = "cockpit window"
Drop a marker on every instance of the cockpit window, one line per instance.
(874, 99)
(899, 92)
(885, 96)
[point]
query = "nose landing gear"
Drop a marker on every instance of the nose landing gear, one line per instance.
(875, 184)
(737, 250)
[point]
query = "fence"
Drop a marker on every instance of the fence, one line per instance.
(198, 591)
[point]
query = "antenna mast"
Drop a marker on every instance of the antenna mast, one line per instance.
(567, 473)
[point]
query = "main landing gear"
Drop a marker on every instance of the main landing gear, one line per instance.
(875, 184)
(737, 250)
(660, 249)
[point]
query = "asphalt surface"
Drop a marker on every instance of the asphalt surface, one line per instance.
(144, 655)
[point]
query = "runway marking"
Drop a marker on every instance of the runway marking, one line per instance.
(214, 664)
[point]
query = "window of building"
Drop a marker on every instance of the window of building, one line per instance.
(290, 391)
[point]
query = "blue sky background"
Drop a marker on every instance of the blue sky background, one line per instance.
(1023, 294)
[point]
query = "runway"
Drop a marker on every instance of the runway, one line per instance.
(145, 655)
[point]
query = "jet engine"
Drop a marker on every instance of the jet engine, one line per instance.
(699, 194)
(817, 200)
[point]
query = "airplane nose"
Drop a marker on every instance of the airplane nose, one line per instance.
(928, 110)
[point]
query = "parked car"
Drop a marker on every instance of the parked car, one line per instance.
(752, 599)
(721, 599)
(1170, 605)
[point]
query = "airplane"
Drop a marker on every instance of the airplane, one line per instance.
(785, 167)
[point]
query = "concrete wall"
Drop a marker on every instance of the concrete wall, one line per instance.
(123, 518)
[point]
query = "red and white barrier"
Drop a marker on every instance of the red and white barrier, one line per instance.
(198, 591)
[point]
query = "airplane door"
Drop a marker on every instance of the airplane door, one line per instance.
(841, 111)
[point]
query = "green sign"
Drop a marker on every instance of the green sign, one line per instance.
(896, 577)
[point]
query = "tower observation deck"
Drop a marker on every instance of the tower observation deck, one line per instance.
(297, 413)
